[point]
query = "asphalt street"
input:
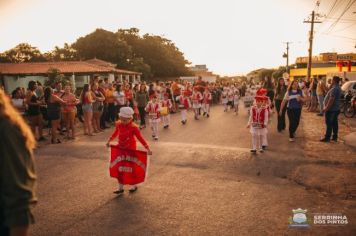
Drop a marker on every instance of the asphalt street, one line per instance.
(202, 181)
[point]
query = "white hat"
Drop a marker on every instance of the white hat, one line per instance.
(126, 112)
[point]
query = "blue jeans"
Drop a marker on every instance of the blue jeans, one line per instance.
(332, 124)
(321, 103)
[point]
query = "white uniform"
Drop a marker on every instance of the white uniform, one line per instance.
(258, 126)
(207, 97)
(166, 104)
(153, 110)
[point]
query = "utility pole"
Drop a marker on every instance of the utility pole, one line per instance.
(311, 36)
(286, 55)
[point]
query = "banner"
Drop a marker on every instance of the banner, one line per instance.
(129, 166)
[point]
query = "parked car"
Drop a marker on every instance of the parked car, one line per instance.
(349, 86)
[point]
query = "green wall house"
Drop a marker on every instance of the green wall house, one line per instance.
(13, 75)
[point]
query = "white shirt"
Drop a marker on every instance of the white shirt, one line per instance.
(119, 98)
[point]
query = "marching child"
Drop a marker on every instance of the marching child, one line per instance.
(257, 122)
(236, 101)
(166, 106)
(184, 105)
(224, 99)
(153, 109)
(207, 97)
(267, 105)
(126, 131)
(196, 100)
(230, 97)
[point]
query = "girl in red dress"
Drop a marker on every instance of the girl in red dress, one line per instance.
(126, 131)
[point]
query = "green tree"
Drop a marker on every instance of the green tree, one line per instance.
(67, 53)
(104, 45)
(23, 52)
(161, 54)
(137, 64)
(279, 72)
(55, 76)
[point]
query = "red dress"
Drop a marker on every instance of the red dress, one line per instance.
(126, 135)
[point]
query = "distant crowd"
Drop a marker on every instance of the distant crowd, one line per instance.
(97, 105)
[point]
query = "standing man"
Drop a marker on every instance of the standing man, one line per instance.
(320, 92)
(332, 110)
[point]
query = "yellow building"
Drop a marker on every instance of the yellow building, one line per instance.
(322, 65)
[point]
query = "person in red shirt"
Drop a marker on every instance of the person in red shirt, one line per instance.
(184, 105)
(126, 131)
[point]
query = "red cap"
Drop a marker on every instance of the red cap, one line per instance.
(261, 98)
(261, 92)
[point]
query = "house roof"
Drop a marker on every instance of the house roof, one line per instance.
(99, 62)
(66, 67)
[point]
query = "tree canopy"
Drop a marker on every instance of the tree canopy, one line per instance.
(23, 52)
(152, 55)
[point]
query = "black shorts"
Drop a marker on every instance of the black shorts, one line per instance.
(53, 116)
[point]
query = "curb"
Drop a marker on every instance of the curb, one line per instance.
(350, 139)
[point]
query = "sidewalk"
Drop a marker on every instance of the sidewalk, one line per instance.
(331, 166)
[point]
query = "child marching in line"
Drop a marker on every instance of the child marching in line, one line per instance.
(207, 97)
(236, 101)
(230, 97)
(153, 109)
(257, 122)
(267, 105)
(166, 106)
(196, 100)
(224, 99)
(126, 131)
(184, 105)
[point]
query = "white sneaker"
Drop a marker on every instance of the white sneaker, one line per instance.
(291, 140)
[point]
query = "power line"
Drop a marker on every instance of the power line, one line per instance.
(345, 28)
(332, 8)
(349, 4)
(339, 36)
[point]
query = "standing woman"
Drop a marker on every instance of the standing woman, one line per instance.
(17, 172)
(18, 102)
(33, 111)
(270, 88)
(314, 99)
(129, 95)
(278, 98)
(98, 105)
(86, 99)
(293, 99)
(69, 111)
(53, 112)
(142, 99)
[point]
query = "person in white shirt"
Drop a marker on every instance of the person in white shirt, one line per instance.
(119, 98)
(17, 101)
(236, 100)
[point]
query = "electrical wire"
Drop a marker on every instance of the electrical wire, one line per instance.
(349, 4)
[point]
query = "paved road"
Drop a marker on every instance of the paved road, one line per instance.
(202, 181)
